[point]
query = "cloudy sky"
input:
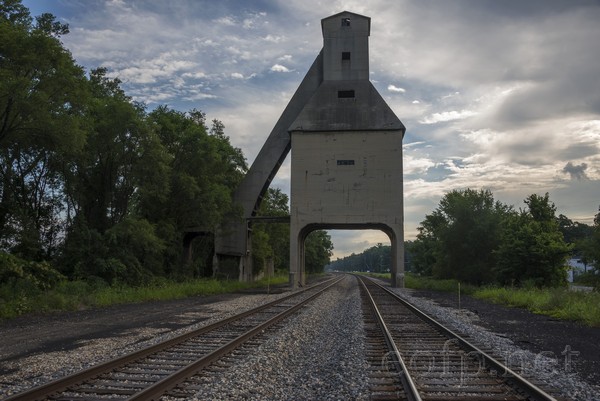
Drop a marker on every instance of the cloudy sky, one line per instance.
(499, 95)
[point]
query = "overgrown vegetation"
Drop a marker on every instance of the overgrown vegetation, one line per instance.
(97, 191)
(80, 294)
(556, 302)
(561, 303)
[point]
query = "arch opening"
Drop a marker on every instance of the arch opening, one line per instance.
(396, 263)
(367, 251)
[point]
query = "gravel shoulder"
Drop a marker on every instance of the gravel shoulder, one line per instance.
(40, 348)
(533, 332)
(562, 353)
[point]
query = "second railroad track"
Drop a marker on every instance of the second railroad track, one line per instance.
(154, 371)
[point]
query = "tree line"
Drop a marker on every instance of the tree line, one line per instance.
(93, 185)
(473, 238)
(376, 259)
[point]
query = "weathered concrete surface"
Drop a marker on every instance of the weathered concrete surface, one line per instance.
(346, 180)
(346, 150)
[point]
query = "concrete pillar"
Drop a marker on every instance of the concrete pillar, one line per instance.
(295, 262)
(397, 255)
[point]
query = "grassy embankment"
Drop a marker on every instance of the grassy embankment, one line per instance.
(76, 295)
(560, 303)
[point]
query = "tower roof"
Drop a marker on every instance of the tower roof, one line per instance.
(346, 14)
(346, 100)
(346, 106)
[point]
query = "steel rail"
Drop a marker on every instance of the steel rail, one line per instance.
(525, 384)
(405, 377)
(56, 386)
(159, 388)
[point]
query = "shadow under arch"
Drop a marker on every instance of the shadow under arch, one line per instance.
(397, 248)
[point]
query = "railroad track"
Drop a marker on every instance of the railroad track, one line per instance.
(154, 371)
(413, 357)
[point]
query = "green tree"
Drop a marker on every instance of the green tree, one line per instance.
(532, 248)
(272, 240)
(43, 95)
(426, 249)
(591, 249)
(106, 184)
(317, 251)
(203, 170)
(573, 231)
(102, 179)
(458, 239)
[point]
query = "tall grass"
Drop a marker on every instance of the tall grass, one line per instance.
(556, 302)
(75, 295)
(560, 303)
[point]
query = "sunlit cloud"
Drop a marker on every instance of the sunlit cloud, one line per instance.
(396, 89)
(448, 116)
(279, 68)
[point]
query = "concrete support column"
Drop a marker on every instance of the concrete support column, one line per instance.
(397, 254)
(295, 263)
(301, 261)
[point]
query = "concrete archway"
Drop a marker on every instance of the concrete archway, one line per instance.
(297, 269)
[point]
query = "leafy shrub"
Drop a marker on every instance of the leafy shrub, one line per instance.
(39, 274)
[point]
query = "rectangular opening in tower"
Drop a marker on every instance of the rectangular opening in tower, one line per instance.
(345, 56)
(346, 94)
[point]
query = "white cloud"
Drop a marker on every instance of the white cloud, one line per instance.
(227, 20)
(279, 68)
(448, 116)
(346, 242)
(393, 88)
(414, 165)
(194, 75)
(237, 75)
(274, 38)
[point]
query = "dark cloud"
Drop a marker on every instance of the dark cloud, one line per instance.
(576, 171)
(580, 150)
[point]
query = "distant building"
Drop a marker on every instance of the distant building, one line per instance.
(577, 267)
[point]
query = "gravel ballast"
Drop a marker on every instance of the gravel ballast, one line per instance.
(317, 354)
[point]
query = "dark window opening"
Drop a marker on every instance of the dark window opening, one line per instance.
(345, 162)
(345, 56)
(346, 94)
(345, 21)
